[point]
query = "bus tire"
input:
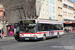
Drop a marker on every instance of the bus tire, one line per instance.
(58, 36)
(44, 37)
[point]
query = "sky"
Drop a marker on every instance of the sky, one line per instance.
(73, 0)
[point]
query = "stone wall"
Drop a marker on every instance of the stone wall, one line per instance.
(16, 10)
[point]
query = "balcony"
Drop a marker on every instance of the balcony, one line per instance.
(68, 17)
(60, 14)
(68, 10)
(65, 9)
(60, 6)
(68, 3)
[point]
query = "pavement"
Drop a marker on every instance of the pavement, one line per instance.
(7, 38)
(68, 32)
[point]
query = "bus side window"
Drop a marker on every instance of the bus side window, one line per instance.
(0, 31)
(42, 28)
(74, 28)
(39, 27)
(60, 27)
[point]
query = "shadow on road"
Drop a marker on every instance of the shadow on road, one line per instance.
(51, 38)
(36, 40)
(74, 35)
(28, 40)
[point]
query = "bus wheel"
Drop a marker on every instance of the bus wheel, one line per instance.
(44, 37)
(58, 36)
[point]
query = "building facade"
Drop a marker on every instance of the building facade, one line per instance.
(74, 9)
(46, 9)
(68, 10)
(2, 10)
(59, 10)
(42, 9)
(52, 9)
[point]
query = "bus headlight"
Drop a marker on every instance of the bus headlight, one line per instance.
(20, 35)
(35, 35)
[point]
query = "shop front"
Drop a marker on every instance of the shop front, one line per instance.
(10, 30)
(69, 26)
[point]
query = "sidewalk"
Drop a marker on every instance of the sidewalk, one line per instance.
(7, 39)
(66, 33)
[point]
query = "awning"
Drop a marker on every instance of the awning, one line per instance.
(73, 21)
(67, 23)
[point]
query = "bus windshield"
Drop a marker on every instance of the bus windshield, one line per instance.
(28, 28)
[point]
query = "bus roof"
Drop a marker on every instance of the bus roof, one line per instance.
(46, 21)
(49, 21)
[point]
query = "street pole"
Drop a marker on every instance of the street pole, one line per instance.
(1, 26)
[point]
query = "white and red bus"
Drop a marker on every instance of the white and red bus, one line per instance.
(39, 29)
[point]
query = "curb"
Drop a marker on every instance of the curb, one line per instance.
(7, 39)
(69, 33)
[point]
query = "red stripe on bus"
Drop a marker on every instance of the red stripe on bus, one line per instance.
(39, 32)
(34, 33)
(58, 31)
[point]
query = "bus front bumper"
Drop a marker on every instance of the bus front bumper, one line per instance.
(29, 38)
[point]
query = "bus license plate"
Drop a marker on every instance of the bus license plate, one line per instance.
(26, 38)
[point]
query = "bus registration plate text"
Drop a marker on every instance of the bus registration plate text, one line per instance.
(26, 38)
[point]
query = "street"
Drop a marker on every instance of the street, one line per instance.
(66, 42)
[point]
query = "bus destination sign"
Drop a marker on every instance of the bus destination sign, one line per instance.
(28, 21)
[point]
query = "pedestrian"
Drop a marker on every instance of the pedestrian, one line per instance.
(17, 32)
(2, 33)
(64, 29)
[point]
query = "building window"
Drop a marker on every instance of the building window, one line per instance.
(71, 7)
(60, 0)
(50, 9)
(50, 18)
(47, 1)
(53, 9)
(38, 1)
(53, 1)
(74, 12)
(53, 17)
(65, 5)
(74, 17)
(47, 12)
